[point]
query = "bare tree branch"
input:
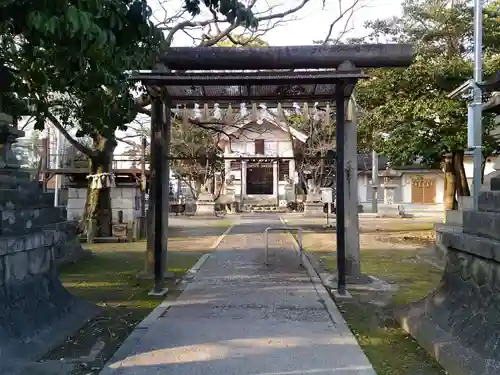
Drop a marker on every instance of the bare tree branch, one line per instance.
(349, 11)
(77, 145)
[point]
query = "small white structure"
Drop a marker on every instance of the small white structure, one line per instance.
(125, 197)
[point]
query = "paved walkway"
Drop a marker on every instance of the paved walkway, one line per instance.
(238, 317)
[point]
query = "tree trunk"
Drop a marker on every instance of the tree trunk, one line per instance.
(461, 182)
(483, 166)
(450, 184)
(98, 205)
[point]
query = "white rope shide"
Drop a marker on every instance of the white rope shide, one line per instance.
(101, 180)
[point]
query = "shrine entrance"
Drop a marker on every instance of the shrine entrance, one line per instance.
(260, 178)
(284, 76)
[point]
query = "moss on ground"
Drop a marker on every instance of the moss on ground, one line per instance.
(389, 348)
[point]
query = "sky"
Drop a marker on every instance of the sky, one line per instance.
(312, 23)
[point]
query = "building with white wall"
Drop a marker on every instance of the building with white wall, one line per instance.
(261, 135)
(416, 186)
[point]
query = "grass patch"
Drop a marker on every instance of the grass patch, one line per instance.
(390, 349)
(375, 226)
(108, 279)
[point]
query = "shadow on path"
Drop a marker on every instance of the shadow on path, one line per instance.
(240, 317)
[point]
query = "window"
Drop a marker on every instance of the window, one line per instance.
(259, 147)
(283, 169)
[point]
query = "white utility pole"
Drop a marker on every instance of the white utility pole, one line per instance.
(474, 125)
(58, 162)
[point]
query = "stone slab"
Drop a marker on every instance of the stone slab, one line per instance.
(76, 193)
(453, 217)
(76, 203)
(21, 220)
(446, 349)
(465, 203)
(485, 224)
(12, 198)
(389, 210)
(458, 322)
(205, 208)
(36, 314)
(313, 209)
(489, 201)
(469, 244)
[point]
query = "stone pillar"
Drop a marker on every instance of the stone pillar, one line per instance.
(36, 310)
(291, 175)
(244, 178)
(227, 170)
(389, 208)
(389, 190)
(276, 190)
(313, 205)
(353, 269)
(205, 205)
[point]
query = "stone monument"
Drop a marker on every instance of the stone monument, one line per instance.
(313, 205)
(205, 204)
(289, 190)
(389, 208)
(36, 311)
(459, 323)
(229, 198)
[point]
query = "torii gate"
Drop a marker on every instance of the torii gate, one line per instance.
(224, 75)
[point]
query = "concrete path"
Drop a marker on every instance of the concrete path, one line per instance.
(238, 317)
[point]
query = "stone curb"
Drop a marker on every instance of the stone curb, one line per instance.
(142, 328)
(222, 236)
(330, 306)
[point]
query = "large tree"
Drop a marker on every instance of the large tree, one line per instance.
(71, 60)
(407, 115)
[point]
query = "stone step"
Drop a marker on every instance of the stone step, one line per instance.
(47, 235)
(453, 228)
(469, 243)
(13, 179)
(30, 198)
(14, 184)
(454, 217)
(29, 219)
(489, 201)
(482, 223)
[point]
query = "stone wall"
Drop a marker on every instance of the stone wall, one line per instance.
(36, 311)
(459, 323)
(123, 198)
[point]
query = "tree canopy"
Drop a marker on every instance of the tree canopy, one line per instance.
(407, 114)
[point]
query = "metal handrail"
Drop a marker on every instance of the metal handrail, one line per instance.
(285, 229)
